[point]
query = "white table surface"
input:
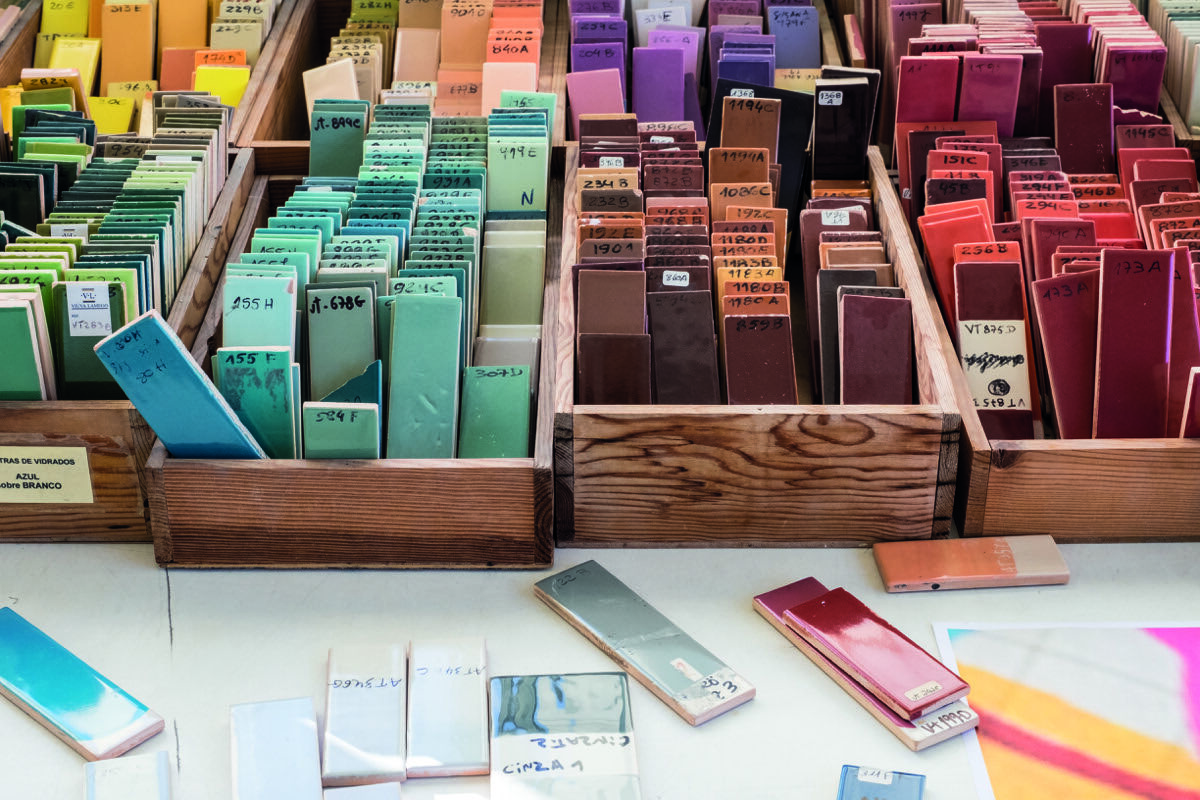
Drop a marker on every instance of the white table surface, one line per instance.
(190, 643)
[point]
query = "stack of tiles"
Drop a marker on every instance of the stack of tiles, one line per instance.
(114, 54)
(372, 255)
(393, 713)
(907, 690)
(681, 286)
(95, 231)
(1002, 62)
(693, 682)
(666, 48)
(461, 57)
(859, 320)
(1092, 242)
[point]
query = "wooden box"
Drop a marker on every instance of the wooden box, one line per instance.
(115, 435)
(277, 125)
(659, 475)
(16, 54)
(354, 513)
(1074, 489)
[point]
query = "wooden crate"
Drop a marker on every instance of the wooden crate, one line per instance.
(660, 475)
(355, 513)
(1078, 490)
(277, 125)
(115, 435)
(16, 54)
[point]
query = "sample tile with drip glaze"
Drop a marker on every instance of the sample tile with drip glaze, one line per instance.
(937, 726)
(275, 750)
(145, 777)
(675, 667)
(366, 706)
(84, 709)
(447, 710)
(563, 736)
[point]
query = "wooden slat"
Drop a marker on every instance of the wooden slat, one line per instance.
(756, 476)
(831, 51)
(16, 51)
(262, 69)
(278, 111)
(440, 512)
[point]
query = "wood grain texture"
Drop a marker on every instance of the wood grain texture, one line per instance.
(1183, 134)
(755, 476)
(353, 513)
(831, 51)
(556, 45)
(118, 442)
(262, 70)
(16, 50)
(935, 351)
(1095, 490)
(208, 260)
(277, 110)
(386, 513)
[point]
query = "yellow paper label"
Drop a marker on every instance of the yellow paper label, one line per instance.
(45, 475)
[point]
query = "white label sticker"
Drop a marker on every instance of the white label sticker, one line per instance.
(78, 230)
(923, 691)
(173, 160)
(689, 672)
(741, 93)
(87, 308)
(873, 775)
(674, 277)
(835, 216)
(661, 140)
(829, 98)
(995, 360)
(608, 162)
(320, 189)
